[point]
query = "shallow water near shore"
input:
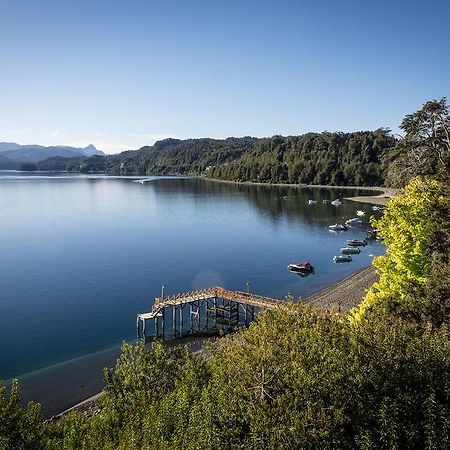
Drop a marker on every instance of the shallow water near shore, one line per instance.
(82, 255)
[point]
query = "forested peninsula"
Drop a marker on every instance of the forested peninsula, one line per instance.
(377, 377)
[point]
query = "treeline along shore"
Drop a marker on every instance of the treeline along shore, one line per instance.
(313, 158)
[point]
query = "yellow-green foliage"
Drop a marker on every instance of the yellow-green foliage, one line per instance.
(408, 228)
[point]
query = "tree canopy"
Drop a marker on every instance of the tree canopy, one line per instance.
(425, 148)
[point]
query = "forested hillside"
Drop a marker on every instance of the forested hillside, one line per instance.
(312, 158)
(175, 157)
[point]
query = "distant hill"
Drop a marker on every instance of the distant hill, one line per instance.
(35, 153)
(7, 163)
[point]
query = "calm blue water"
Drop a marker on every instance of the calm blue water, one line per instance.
(80, 256)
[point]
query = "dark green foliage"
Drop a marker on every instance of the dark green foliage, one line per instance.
(326, 158)
(425, 149)
(297, 379)
(175, 157)
(28, 167)
(20, 428)
(58, 163)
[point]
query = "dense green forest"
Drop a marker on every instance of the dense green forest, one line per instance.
(167, 157)
(313, 158)
(377, 378)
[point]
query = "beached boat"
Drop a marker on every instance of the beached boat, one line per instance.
(350, 250)
(353, 222)
(301, 268)
(342, 258)
(336, 202)
(357, 242)
(338, 227)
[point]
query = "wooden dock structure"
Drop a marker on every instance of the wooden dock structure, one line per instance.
(201, 312)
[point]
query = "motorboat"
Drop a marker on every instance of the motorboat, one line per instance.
(312, 202)
(336, 202)
(302, 268)
(354, 221)
(338, 227)
(360, 213)
(325, 202)
(350, 250)
(342, 258)
(357, 242)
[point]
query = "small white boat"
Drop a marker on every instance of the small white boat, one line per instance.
(338, 227)
(312, 202)
(342, 258)
(350, 250)
(360, 213)
(357, 243)
(336, 202)
(376, 208)
(325, 202)
(353, 222)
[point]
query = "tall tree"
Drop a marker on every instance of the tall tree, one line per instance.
(425, 148)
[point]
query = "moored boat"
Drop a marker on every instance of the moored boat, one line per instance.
(336, 202)
(350, 250)
(360, 213)
(312, 202)
(342, 258)
(338, 227)
(354, 221)
(357, 242)
(301, 268)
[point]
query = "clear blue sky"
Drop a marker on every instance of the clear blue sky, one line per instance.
(122, 74)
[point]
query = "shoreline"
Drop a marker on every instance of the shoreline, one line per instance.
(346, 293)
(343, 295)
(386, 193)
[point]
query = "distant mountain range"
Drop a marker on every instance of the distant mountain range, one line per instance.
(12, 155)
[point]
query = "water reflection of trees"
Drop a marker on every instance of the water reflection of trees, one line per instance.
(275, 202)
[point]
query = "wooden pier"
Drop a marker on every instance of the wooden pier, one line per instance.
(201, 312)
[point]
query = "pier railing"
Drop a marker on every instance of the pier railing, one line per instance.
(202, 312)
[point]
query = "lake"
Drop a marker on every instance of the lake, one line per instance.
(80, 256)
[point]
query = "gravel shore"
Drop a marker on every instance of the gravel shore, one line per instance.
(381, 199)
(347, 293)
